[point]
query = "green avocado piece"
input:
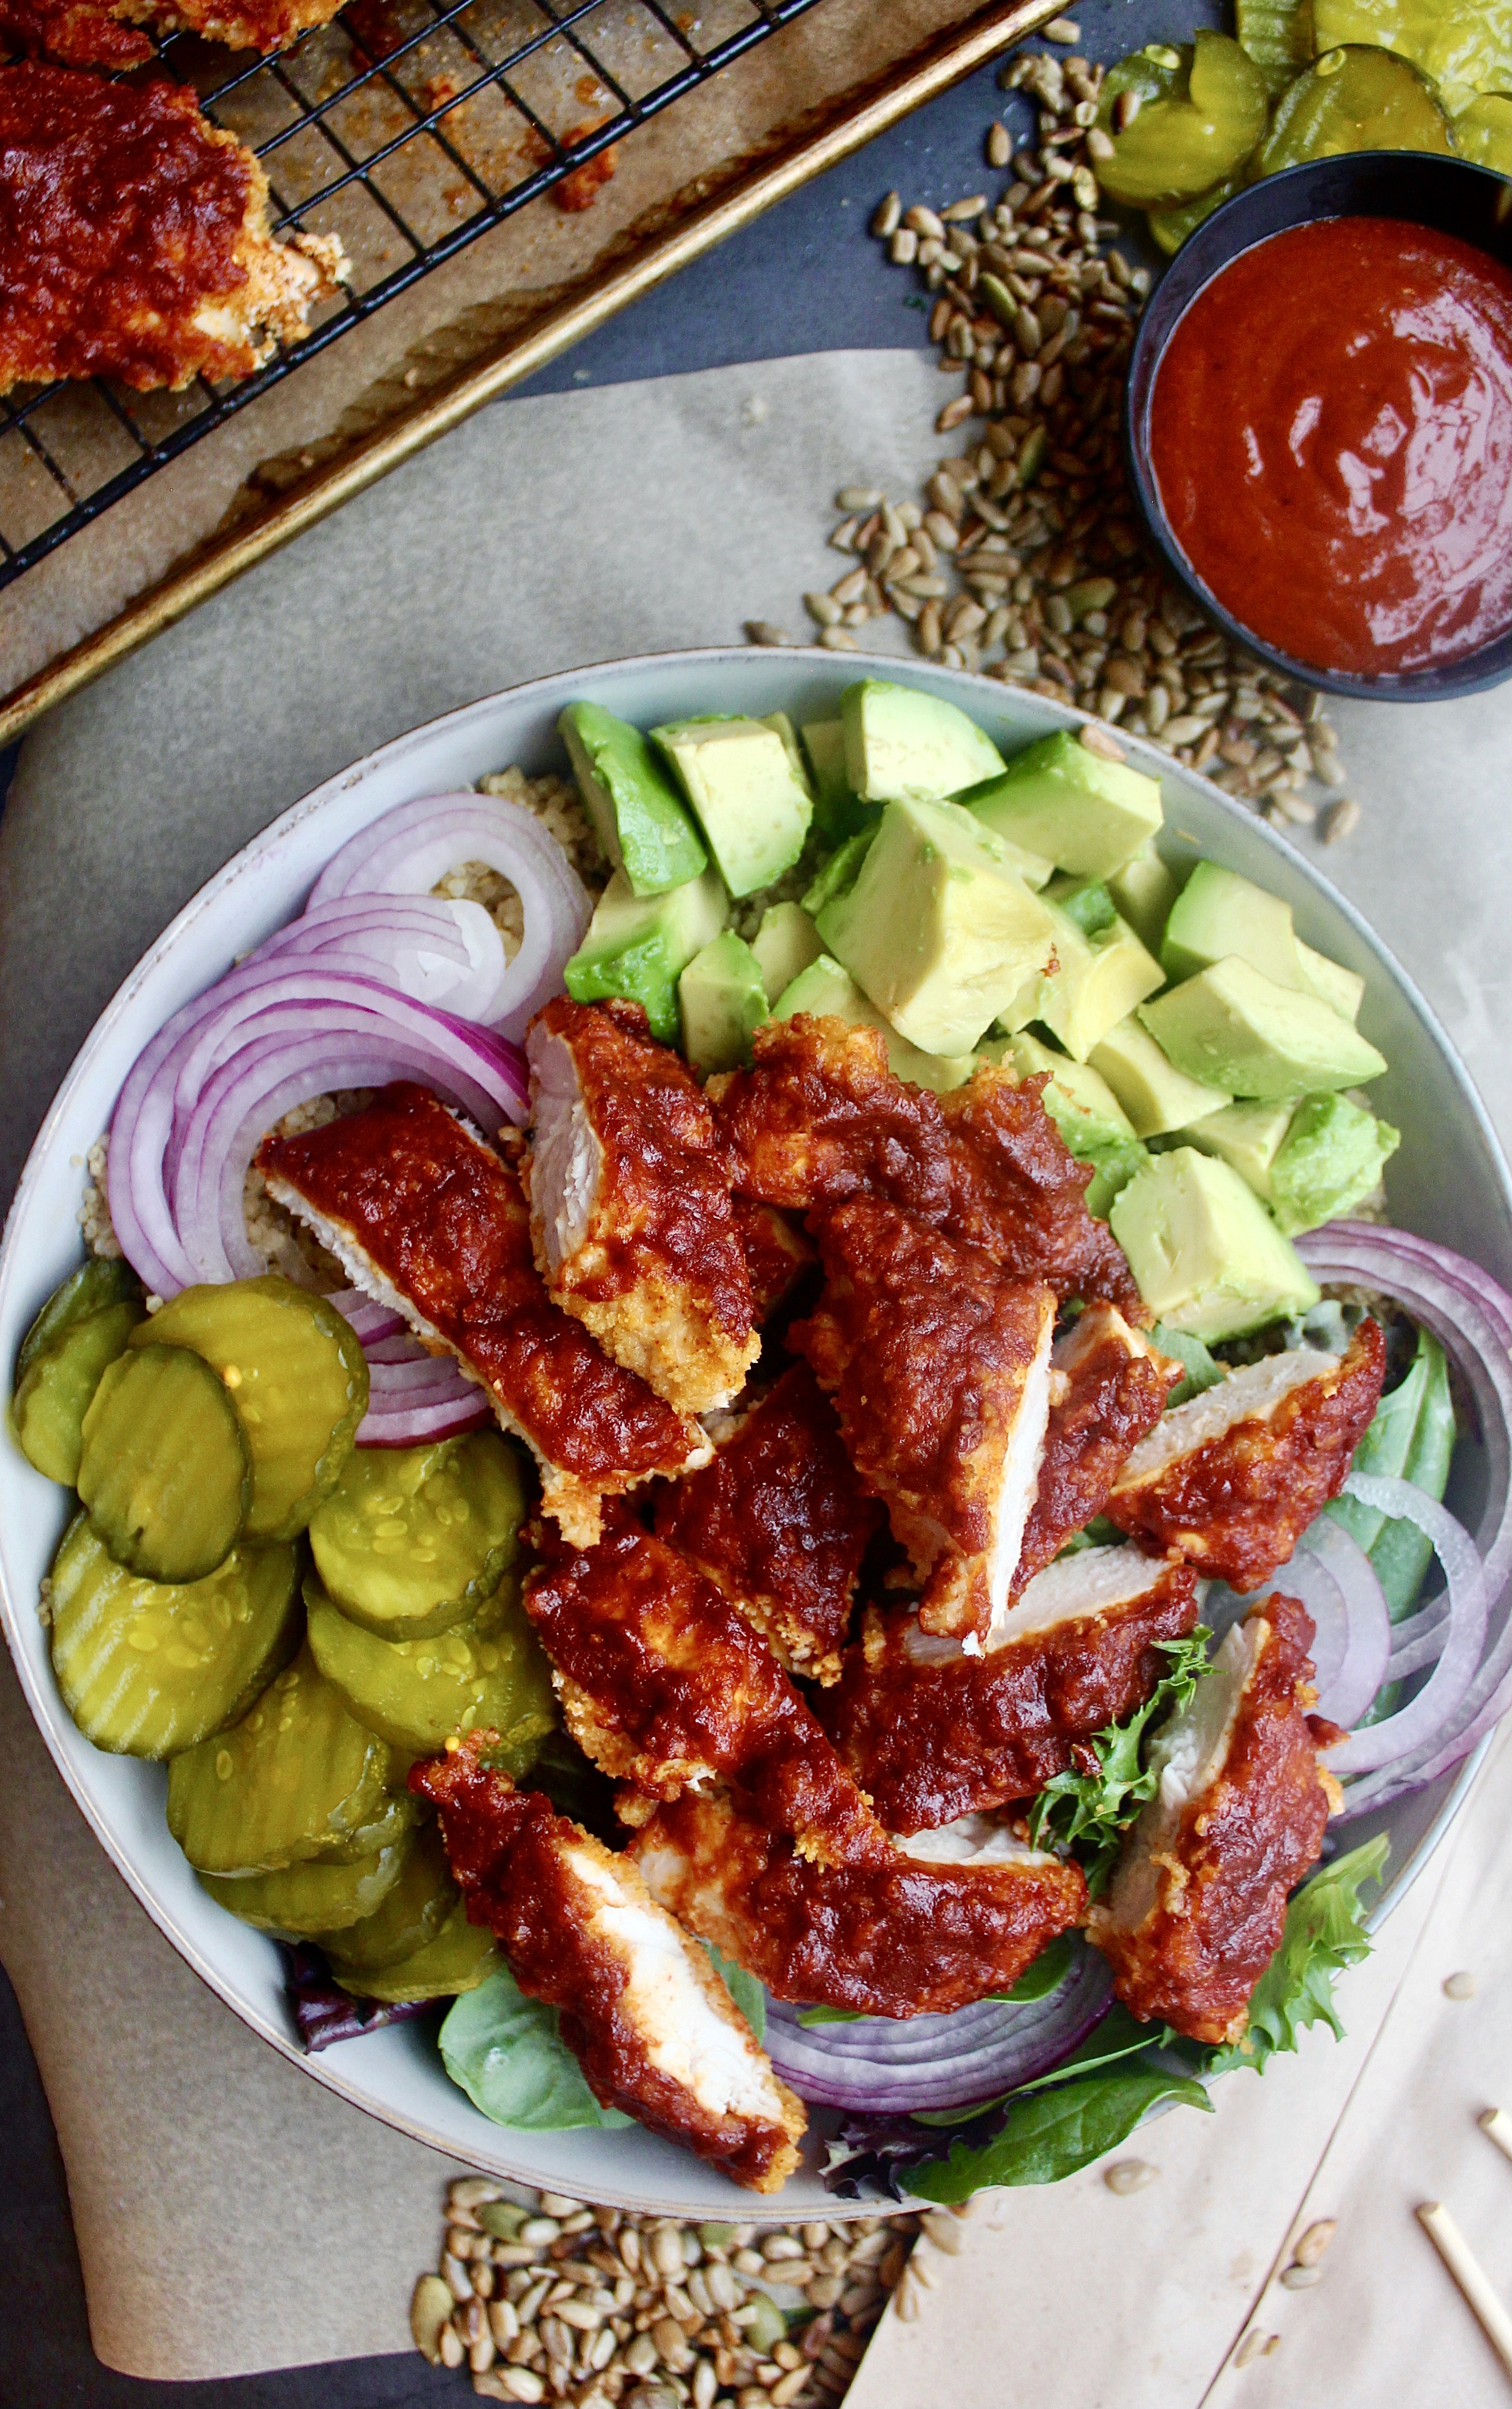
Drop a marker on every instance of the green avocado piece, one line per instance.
(785, 942)
(827, 991)
(1104, 971)
(640, 946)
(1331, 1160)
(645, 829)
(903, 746)
(1153, 1092)
(1342, 991)
(748, 793)
(1088, 811)
(939, 928)
(1219, 914)
(837, 813)
(838, 871)
(1143, 892)
(1207, 1258)
(1086, 1113)
(1250, 1136)
(1233, 1027)
(723, 999)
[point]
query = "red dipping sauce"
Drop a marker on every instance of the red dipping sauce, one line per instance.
(1330, 433)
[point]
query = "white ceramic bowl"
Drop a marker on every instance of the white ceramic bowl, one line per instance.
(1448, 1181)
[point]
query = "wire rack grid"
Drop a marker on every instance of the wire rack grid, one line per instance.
(407, 127)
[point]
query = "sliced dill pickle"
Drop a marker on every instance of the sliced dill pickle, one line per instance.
(1483, 132)
(1170, 227)
(298, 1377)
(1461, 46)
(488, 1674)
(461, 1957)
(1278, 36)
(1201, 111)
(55, 1390)
(164, 1471)
(399, 1811)
(420, 1903)
(105, 1279)
(309, 1899)
(413, 1540)
(1355, 99)
(150, 1668)
(297, 1778)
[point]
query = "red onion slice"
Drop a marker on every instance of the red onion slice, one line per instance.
(1422, 1721)
(1337, 1581)
(419, 1425)
(426, 947)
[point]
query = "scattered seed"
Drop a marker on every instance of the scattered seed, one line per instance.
(1313, 2243)
(1062, 29)
(1252, 2348)
(887, 216)
(1298, 2279)
(823, 609)
(1127, 2175)
(837, 640)
(1461, 1985)
(904, 246)
(1000, 146)
(924, 222)
(763, 631)
(1340, 820)
(430, 2310)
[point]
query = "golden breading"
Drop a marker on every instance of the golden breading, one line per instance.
(940, 1368)
(135, 236)
(1234, 1476)
(104, 33)
(630, 1197)
(1198, 1899)
(650, 2023)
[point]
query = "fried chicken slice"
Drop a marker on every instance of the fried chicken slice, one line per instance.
(940, 1368)
(1234, 1476)
(819, 1118)
(666, 1683)
(135, 236)
(642, 2009)
(932, 1734)
(777, 1254)
(104, 33)
(429, 1220)
(630, 1194)
(1197, 1901)
(780, 1522)
(907, 1930)
(1108, 1388)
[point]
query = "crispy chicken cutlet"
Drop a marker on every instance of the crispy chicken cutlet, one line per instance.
(630, 1194)
(135, 238)
(667, 1684)
(932, 1734)
(906, 1928)
(777, 1253)
(1199, 1896)
(819, 1118)
(651, 2025)
(940, 1368)
(1234, 1476)
(108, 33)
(780, 1521)
(1108, 1388)
(430, 1220)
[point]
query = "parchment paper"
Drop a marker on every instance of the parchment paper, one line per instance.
(677, 509)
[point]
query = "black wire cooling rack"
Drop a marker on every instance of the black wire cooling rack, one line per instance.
(407, 127)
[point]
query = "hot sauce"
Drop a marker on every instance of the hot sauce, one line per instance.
(1330, 432)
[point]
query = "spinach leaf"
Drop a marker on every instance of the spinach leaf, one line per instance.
(1324, 1932)
(1202, 1370)
(1118, 2035)
(743, 1989)
(1046, 1975)
(1050, 2134)
(1093, 1809)
(830, 2017)
(507, 2052)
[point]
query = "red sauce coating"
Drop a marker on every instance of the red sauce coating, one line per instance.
(1330, 433)
(74, 31)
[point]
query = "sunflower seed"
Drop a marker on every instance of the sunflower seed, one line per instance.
(904, 246)
(762, 631)
(826, 612)
(837, 639)
(887, 216)
(1340, 820)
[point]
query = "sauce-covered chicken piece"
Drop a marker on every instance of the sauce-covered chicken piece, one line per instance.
(900, 1930)
(630, 1194)
(430, 1220)
(777, 1253)
(666, 1683)
(940, 1368)
(932, 1734)
(1234, 1476)
(1108, 1388)
(651, 2025)
(1197, 1901)
(105, 33)
(780, 1521)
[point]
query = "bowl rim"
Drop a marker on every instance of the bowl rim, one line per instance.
(1211, 247)
(45, 1706)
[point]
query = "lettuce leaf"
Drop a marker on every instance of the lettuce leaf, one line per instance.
(1202, 1369)
(1048, 2135)
(1324, 1932)
(1089, 1812)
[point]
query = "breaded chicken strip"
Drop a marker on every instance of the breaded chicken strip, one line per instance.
(630, 1194)
(429, 1220)
(1195, 1911)
(819, 1118)
(940, 1368)
(666, 1683)
(780, 1521)
(777, 1254)
(1234, 1476)
(908, 1929)
(651, 2025)
(932, 1734)
(135, 238)
(1108, 1388)
(104, 33)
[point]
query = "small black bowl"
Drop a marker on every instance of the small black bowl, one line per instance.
(1448, 195)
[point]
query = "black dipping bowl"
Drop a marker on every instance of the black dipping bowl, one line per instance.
(1448, 195)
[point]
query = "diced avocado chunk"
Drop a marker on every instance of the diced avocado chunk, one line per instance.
(1219, 914)
(1207, 1258)
(1342, 991)
(1236, 1029)
(903, 746)
(1153, 1092)
(1143, 892)
(837, 813)
(638, 946)
(643, 827)
(938, 928)
(1086, 1113)
(785, 942)
(1250, 1136)
(838, 871)
(1104, 971)
(1331, 1159)
(828, 992)
(723, 998)
(1088, 811)
(752, 803)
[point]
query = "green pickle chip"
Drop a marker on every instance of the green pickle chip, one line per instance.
(55, 1391)
(1483, 132)
(460, 1958)
(488, 1674)
(1357, 99)
(412, 1913)
(297, 1778)
(1462, 46)
(413, 1540)
(312, 1897)
(1201, 111)
(165, 1472)
(105, 1279)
